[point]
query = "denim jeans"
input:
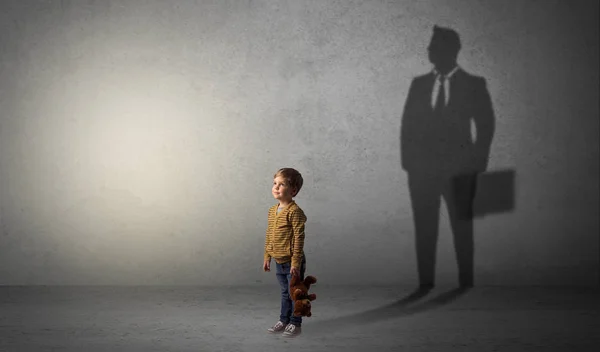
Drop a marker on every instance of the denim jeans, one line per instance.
(287, 305)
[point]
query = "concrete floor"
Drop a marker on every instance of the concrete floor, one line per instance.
(345, 319)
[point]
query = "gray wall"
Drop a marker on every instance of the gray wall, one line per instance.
(138, 139)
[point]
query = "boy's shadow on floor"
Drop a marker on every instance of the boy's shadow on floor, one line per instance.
(393, 310)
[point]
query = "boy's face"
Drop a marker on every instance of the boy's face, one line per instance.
(281, 189)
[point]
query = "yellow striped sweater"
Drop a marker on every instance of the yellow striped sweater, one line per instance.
(284, 240)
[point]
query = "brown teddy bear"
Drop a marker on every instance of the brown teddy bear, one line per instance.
(302, 308)
(300, 296)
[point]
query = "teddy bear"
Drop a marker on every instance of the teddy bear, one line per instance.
(302, 308)
(300, 296)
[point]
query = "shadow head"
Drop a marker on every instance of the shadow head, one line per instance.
(443, 48)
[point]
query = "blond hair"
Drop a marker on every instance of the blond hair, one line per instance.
(292, 176)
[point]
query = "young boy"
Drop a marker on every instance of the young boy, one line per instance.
(285, 243)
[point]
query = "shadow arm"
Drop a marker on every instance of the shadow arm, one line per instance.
(407, 129)
(485, 124)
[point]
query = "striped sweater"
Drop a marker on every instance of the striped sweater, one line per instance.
(284, 240)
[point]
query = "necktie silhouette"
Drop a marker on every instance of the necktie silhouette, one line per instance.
(440, 102)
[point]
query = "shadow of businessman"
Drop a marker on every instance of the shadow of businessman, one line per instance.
(441, 155)
(408, 306)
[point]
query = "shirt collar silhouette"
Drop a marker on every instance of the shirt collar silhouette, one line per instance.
(439, 76)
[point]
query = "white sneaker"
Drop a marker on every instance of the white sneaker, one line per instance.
(278, 327)
(292, 330)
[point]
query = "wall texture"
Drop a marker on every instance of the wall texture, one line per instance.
(138, 139)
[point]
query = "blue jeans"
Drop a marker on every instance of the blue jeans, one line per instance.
(287, 305)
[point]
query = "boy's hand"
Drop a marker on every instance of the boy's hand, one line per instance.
(294, 271)
(267, 265)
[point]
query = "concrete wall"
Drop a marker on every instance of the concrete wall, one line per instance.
(138, 139)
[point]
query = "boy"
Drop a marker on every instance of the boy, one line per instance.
(285, 243)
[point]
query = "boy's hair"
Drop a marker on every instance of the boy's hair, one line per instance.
(292, 176)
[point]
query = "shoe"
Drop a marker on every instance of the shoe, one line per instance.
(466, 284)
(278, 327)
(292, 330)
(426, 286)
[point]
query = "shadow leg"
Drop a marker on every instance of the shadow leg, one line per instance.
(459, 195)
(425, 198)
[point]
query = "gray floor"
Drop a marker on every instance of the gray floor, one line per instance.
(345, 319)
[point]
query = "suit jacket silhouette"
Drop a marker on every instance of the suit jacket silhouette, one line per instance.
(434, 143)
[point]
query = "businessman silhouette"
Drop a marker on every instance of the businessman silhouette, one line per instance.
(440, 154)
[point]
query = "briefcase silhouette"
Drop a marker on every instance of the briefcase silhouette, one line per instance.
(495, 193)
